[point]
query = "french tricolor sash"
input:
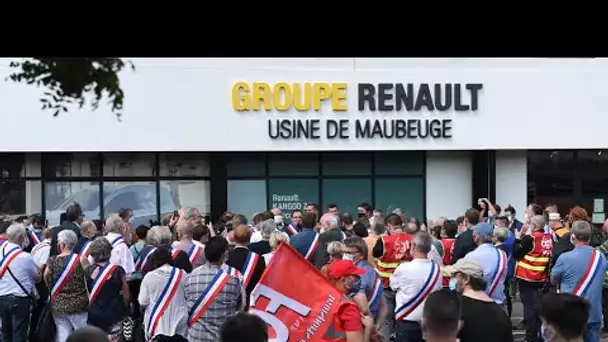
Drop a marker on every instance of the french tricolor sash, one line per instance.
(234, 272)
(117, 241)
(71, 262)
(166, 296)
(209, 294)
(291, 230)
(411, 305)
(85, 249)
(175, 253)
(376, 292)
(592, 270)
(8, 258)
(249, 267)
(501, 268)
(194, 253)
(40, 246)
(105, 273)
(313, 247)
(34, 237)
(143, 259)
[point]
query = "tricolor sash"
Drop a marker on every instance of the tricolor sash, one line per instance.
(175, 253)
(194, 253)
(209, 294)
(376, 292)
(8, 258)
(34, 237)
(343, 236)
(249, 267)
(592, 270)
(166, 296)
(143, 259)
(313, 247)
(234, 272)
(501, 268)
(117, 241)
(291, 230)
(411, 305)
(71, 262)
(105, 273)
(85, 249)
(40, 246)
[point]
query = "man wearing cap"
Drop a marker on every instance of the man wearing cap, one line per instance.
(482, 318)
(492, 260)
(413, 282)
(348, 325)
(555, 222)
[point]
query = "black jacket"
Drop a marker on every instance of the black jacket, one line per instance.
(56, 230)
(236, 259)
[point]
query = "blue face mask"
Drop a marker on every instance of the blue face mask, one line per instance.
(452, 284)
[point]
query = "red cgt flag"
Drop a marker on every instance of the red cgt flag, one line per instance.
(294, 298)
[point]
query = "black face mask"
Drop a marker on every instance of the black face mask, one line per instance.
(362, 215)
(299, 225)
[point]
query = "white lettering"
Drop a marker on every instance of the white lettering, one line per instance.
(277, 299)
(279, 328)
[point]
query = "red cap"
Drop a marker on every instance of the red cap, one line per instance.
(343, 268)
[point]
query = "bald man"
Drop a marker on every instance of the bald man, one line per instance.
(195, 249)
(240, 257)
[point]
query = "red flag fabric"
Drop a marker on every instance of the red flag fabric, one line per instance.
(294, 298)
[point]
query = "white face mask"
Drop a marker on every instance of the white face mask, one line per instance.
(347, 256)
(278, 219)
(510, 218)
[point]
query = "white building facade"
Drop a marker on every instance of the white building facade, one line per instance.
(429, 136)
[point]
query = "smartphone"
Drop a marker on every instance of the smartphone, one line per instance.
(175, 213)
(207, 219)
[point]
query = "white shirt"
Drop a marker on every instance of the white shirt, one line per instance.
(408, 281)
(40, 252)
(24, 269)
(121, 255)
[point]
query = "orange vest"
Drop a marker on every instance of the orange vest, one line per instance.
(335, 332)
(448, 247)
(533, 266)
(396, 251)
(561, 231)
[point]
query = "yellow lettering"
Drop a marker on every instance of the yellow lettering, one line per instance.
(321, 92)
(240, 96)
(301, 98)
(338, 93)
(261, 92)
(279, 89)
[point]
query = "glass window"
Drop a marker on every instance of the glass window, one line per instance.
(138, 196)
(58, 165)
(291, 194)
(347, 164)
(399, 163)
(184, 165)
(551, 178)
(403, 193)
(347, 193)
(246, 197)
(12, 165)
(60, 195)
(184, 193)
(593, 168)
(245, 165)
(20, 197)
(128, 165)
(293, 164)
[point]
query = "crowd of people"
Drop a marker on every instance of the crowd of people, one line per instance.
(184, 279)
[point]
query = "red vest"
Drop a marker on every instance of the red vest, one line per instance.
(448, 248)
(396, 251)
(533, 266)
(335, 332)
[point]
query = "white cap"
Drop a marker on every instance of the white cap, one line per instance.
(554, 216)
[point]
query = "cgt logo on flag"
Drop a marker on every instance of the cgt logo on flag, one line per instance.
(294, 298)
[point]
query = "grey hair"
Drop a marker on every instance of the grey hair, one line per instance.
(423, 242)
(113, 224)
(581, 230)
(501, 234)
(334, 248)
(158, 235)
(333, 221)
(538, 221)
(276, 238)
(267, 227)
(357, 243)
(100, 249)
(15, 231)
(68, 238)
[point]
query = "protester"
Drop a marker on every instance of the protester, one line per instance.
(276, 238)
(514, 223)
(377, 230)
(295, 226)
(251, 265)
(88, 232)
(441, 316)
(564, 317)
(330, 231)
(109, 294)
(449, 229)
(67, 279)
(412, 283)
(162, 298)
(532, 250)
(555, 222)
(18, 274)
(499, 236)
(262, 247)
(564, 243)
(73, 220)
(349, 324)
(40, 252)
(482, 318)
(582, 272)
(121, 255)
(364, 210)
(244, 327)
(136, 248)
(306, 242)
(464, 242)
(335, 249)
(212, 294)
(348, 222)
(160, 236)
(194, 249)
(603, 248)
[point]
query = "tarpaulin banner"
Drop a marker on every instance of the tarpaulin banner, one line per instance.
(294, 298)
